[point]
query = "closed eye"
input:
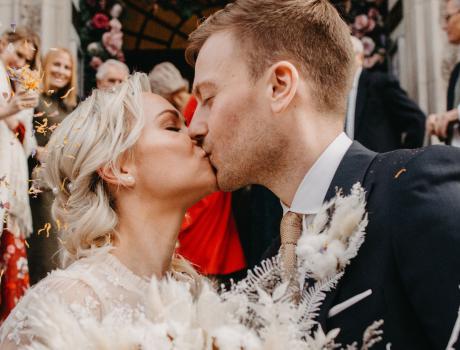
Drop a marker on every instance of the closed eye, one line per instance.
(206, 101)
(171, 128)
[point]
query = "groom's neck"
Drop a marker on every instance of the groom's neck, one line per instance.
(305, 144)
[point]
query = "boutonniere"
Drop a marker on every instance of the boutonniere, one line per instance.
(334, 236)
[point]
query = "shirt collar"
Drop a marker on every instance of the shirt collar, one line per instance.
(357, 76)
(311, 193)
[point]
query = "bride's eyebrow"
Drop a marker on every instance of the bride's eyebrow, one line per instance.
(173, 112)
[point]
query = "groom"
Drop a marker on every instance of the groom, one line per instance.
(272, 78)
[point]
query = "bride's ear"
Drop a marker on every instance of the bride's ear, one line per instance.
(123, 178)
(283, 83)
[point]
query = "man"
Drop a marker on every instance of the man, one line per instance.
(445, 125)
(111, 73)
(379, 114)
(166, 80)
(272, 79)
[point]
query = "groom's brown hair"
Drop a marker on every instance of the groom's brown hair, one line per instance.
(308, 33)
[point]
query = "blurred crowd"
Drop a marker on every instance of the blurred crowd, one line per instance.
(224, 233)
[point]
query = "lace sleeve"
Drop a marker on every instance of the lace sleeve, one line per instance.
(57, 300)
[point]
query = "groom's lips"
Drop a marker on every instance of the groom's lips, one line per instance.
(214, 169)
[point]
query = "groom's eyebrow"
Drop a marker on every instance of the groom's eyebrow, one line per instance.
(198, 88)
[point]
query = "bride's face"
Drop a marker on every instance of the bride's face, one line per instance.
(167, 164)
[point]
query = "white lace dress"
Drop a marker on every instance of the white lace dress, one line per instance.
(91, 287)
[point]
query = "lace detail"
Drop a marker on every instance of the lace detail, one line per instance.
(91, 287)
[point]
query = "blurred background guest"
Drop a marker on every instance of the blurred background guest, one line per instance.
(380, 115)
(57, 100)
(18, 48)
(445, 125)
(167, 81)
(111, 73)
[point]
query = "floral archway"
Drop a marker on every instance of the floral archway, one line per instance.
(144, 32)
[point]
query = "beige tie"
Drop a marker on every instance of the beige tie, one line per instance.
(290, 231)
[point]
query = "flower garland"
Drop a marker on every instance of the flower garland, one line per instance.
(101, 35)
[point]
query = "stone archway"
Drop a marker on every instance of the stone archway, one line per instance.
(153, 35)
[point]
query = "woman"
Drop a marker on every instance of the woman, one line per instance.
(57, 100)
(124, 171)
(17, 49)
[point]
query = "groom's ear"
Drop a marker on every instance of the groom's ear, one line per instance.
(283, 83)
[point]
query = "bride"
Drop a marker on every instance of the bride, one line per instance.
(123, 170)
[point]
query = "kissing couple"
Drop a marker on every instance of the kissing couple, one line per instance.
(271, 80)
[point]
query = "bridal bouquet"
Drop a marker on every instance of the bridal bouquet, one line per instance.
(257, 313)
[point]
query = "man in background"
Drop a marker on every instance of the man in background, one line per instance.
(445, 124)
(380, 115)
(111, 73)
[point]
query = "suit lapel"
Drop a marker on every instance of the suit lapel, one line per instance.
(361, 97)
(352, 169)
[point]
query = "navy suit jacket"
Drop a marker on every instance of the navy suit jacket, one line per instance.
(410, 258)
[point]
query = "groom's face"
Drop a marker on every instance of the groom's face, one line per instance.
(230, 120)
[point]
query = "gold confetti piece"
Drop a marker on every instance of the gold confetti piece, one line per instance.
(26, 243)
(50, 92)
(61, 241)
(39, 114)
(1, 273)
(68, 93)
(45, 228)
(58, 224)
(42, 128)
(401, 171)
(70, 156)
(48, 104)
(66, 140)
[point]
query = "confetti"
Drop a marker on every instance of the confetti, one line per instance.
(45, 228)
(68, 93)
(39, 114)
(58, 224)
(1, 273)
(28, 79)
(401, 171)
(50, 92)
(70, 156)
(47, 104)
(42, 128)
(26, 243)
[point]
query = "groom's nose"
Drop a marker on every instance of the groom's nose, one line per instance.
(198, 128)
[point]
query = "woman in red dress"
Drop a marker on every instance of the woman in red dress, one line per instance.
(17, 49)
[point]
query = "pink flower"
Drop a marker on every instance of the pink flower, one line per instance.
(361, 22)
(113, 42)
(100, 21)
(115, 25)
(95, 62)
(116, 10)
(369, 45)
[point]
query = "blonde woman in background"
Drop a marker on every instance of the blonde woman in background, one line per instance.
(124, 170)
(57, 100)
(17, 49)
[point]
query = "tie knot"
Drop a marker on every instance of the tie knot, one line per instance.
(291, 228)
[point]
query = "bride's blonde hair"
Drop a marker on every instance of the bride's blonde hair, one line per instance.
(101, 129)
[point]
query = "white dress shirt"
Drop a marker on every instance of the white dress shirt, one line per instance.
(310, 195)
(351, 106)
